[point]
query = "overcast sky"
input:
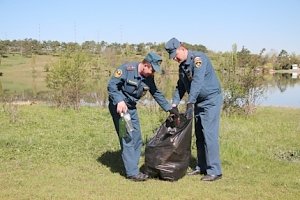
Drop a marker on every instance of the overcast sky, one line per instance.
(216, 24)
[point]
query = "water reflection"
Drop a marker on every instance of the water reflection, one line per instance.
(295, 75)
(283, 89)
(284, 80)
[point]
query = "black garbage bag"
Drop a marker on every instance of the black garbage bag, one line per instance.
(167, 154)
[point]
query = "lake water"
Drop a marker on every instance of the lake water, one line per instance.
(283, 90)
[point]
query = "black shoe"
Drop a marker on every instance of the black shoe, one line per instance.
(139, 177)
(196, 172)
(211, 177)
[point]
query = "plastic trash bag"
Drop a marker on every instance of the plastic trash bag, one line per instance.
(167, 154)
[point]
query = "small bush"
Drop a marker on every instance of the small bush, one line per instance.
(67, 78)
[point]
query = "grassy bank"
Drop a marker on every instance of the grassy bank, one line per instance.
(21, 73)
(54, 154)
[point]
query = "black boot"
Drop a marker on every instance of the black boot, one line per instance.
(139, 177)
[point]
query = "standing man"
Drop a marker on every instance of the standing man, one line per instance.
(198, 78)
(129, 83)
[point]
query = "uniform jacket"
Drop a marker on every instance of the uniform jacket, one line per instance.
(196, 77)
(127, 85)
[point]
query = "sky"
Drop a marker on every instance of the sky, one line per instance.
(216, 24)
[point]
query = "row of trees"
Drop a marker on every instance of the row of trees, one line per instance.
(69, 76)
(28, 47)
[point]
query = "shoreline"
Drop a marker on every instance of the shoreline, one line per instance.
(30, 103)
(287, 71)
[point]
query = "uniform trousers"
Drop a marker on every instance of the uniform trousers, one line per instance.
(131, 144)
(207, 120)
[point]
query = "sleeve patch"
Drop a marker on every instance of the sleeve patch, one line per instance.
(118, 73)
(197, 62)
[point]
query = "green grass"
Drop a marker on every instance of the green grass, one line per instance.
(63, 154)
(22, 73)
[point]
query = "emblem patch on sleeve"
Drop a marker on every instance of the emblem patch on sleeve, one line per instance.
(197, 62)
(118, 73)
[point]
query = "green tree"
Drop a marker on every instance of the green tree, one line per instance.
(3, 48)
(141, 50)
(67, 78)
(242, 85)
(89, 46)
(283, 60)
(294, 59)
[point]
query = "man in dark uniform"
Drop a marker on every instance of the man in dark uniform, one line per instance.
(197, 77)
(129, 83)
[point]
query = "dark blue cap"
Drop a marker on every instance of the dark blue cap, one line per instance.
(171, 47)
(155, 60)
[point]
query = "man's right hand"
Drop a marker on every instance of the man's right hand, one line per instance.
(122, 107)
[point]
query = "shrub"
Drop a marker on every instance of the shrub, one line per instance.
(67, 77)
